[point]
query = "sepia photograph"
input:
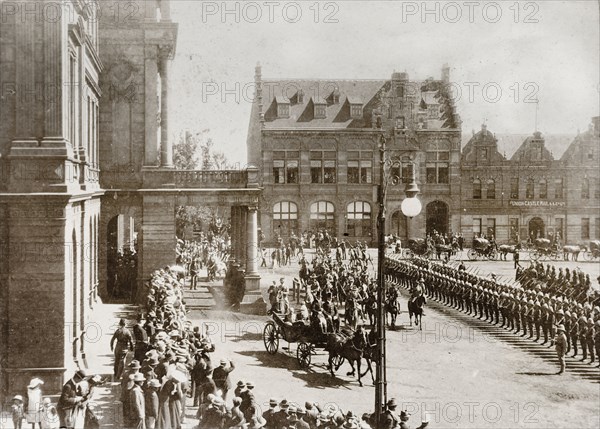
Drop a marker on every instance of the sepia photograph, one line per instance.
(310, 214)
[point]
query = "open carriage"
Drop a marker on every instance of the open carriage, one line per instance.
(545, 249)
(418, 247)
(482, 249)
(593, 251)
(308, 338)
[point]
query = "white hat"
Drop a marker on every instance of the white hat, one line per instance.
(35, 382)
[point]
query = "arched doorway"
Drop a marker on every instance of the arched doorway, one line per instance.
(436, 217)
(398, 225)
(121, 257)
(537, 229)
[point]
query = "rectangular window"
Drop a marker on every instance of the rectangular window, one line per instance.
(431, 173)
(329, 172)
(283, 110)
(476, 227)
(597, 228)
(558, 189)
(543, 190)
(443, 173)
(360, 167)
(514, 229)
(278, 171)
(585, 228)
(529, 190)
(437, 169)
(285, 167)
(491, 227)
(559, 228)
(407, 173)
(316, 169)
(514, 188)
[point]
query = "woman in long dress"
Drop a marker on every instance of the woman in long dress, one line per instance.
(164, 416)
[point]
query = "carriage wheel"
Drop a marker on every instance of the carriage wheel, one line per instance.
(588, 256)
(472, 254)
(534, 255)
(271, 338)
(408, 254)
(337, 362)
(303, 354)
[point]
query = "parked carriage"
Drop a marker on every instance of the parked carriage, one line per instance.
(308, 338)
(543, 249)
(418, 247)
(593, 251)
(482, 249)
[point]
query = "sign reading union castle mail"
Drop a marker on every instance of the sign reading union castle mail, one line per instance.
(537, 203)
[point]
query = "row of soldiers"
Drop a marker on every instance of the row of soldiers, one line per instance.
(530, 312)
(572, 284)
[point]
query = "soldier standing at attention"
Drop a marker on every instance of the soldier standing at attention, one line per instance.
(560, 343)
(124, 342)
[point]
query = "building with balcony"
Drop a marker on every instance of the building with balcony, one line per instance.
(316, 145)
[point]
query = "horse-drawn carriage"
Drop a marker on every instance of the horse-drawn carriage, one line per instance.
(482, 248)
(342, 346)
(420, 247)
(593, 251)
(544, 248)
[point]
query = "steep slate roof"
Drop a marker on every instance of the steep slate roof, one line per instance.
(508, 144)
(369, 93)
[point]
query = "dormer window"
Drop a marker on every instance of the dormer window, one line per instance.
(356, 108)
(283, 107)
(335, 96)
(320, 108)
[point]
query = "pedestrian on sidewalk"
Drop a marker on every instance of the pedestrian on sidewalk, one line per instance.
(34, 402)
(560, 343)
(124, 341)
(137, 401)
(17, 411)
(221, 377)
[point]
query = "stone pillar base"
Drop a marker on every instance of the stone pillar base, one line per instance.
(253, 302)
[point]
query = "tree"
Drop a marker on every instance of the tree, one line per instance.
(185, 153)
(194, 151)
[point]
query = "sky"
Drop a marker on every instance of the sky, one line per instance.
(503, 56)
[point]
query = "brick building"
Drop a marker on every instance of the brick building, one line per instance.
(316, 144)
(531, 194)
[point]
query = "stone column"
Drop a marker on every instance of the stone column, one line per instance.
(252, 241)
(243, 236)
(151, 105)
(166, 149)
(253, 301)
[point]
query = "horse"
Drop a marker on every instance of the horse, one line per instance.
(370, 304)
(505, 249)
(350, 347)
(572, 249)
(352, 313)
(392, 307)
(415, 307)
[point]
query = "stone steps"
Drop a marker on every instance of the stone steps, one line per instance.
(198, 299)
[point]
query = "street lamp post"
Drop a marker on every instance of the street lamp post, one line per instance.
(411, 207)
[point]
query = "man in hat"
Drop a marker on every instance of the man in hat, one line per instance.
(137, 411)
(141, 339)
(560, 343)
(151, 402)
(221, 377)
(69, 400)
(269, 415)
(389, 418)
(404, 416)
(248, 401)
(124, 342)
(126, 386)
(17, 411)
(281, 417)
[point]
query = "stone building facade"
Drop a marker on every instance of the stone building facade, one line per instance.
(316, 143)
(49, 189)
(532, 194)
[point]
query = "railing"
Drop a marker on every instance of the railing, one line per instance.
(190, 179)
(206, 178)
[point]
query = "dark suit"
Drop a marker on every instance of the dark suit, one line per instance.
(67, 404)
(222, 380)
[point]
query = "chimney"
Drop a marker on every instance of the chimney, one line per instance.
(300, 96)
(446, 73)
(259, 95)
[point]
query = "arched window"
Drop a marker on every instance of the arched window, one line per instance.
(477, 189)
(543, 189)
(585, 189)
(285, 219)
(322, 217)
(358, 219)
(530, 189)
(491, 189)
